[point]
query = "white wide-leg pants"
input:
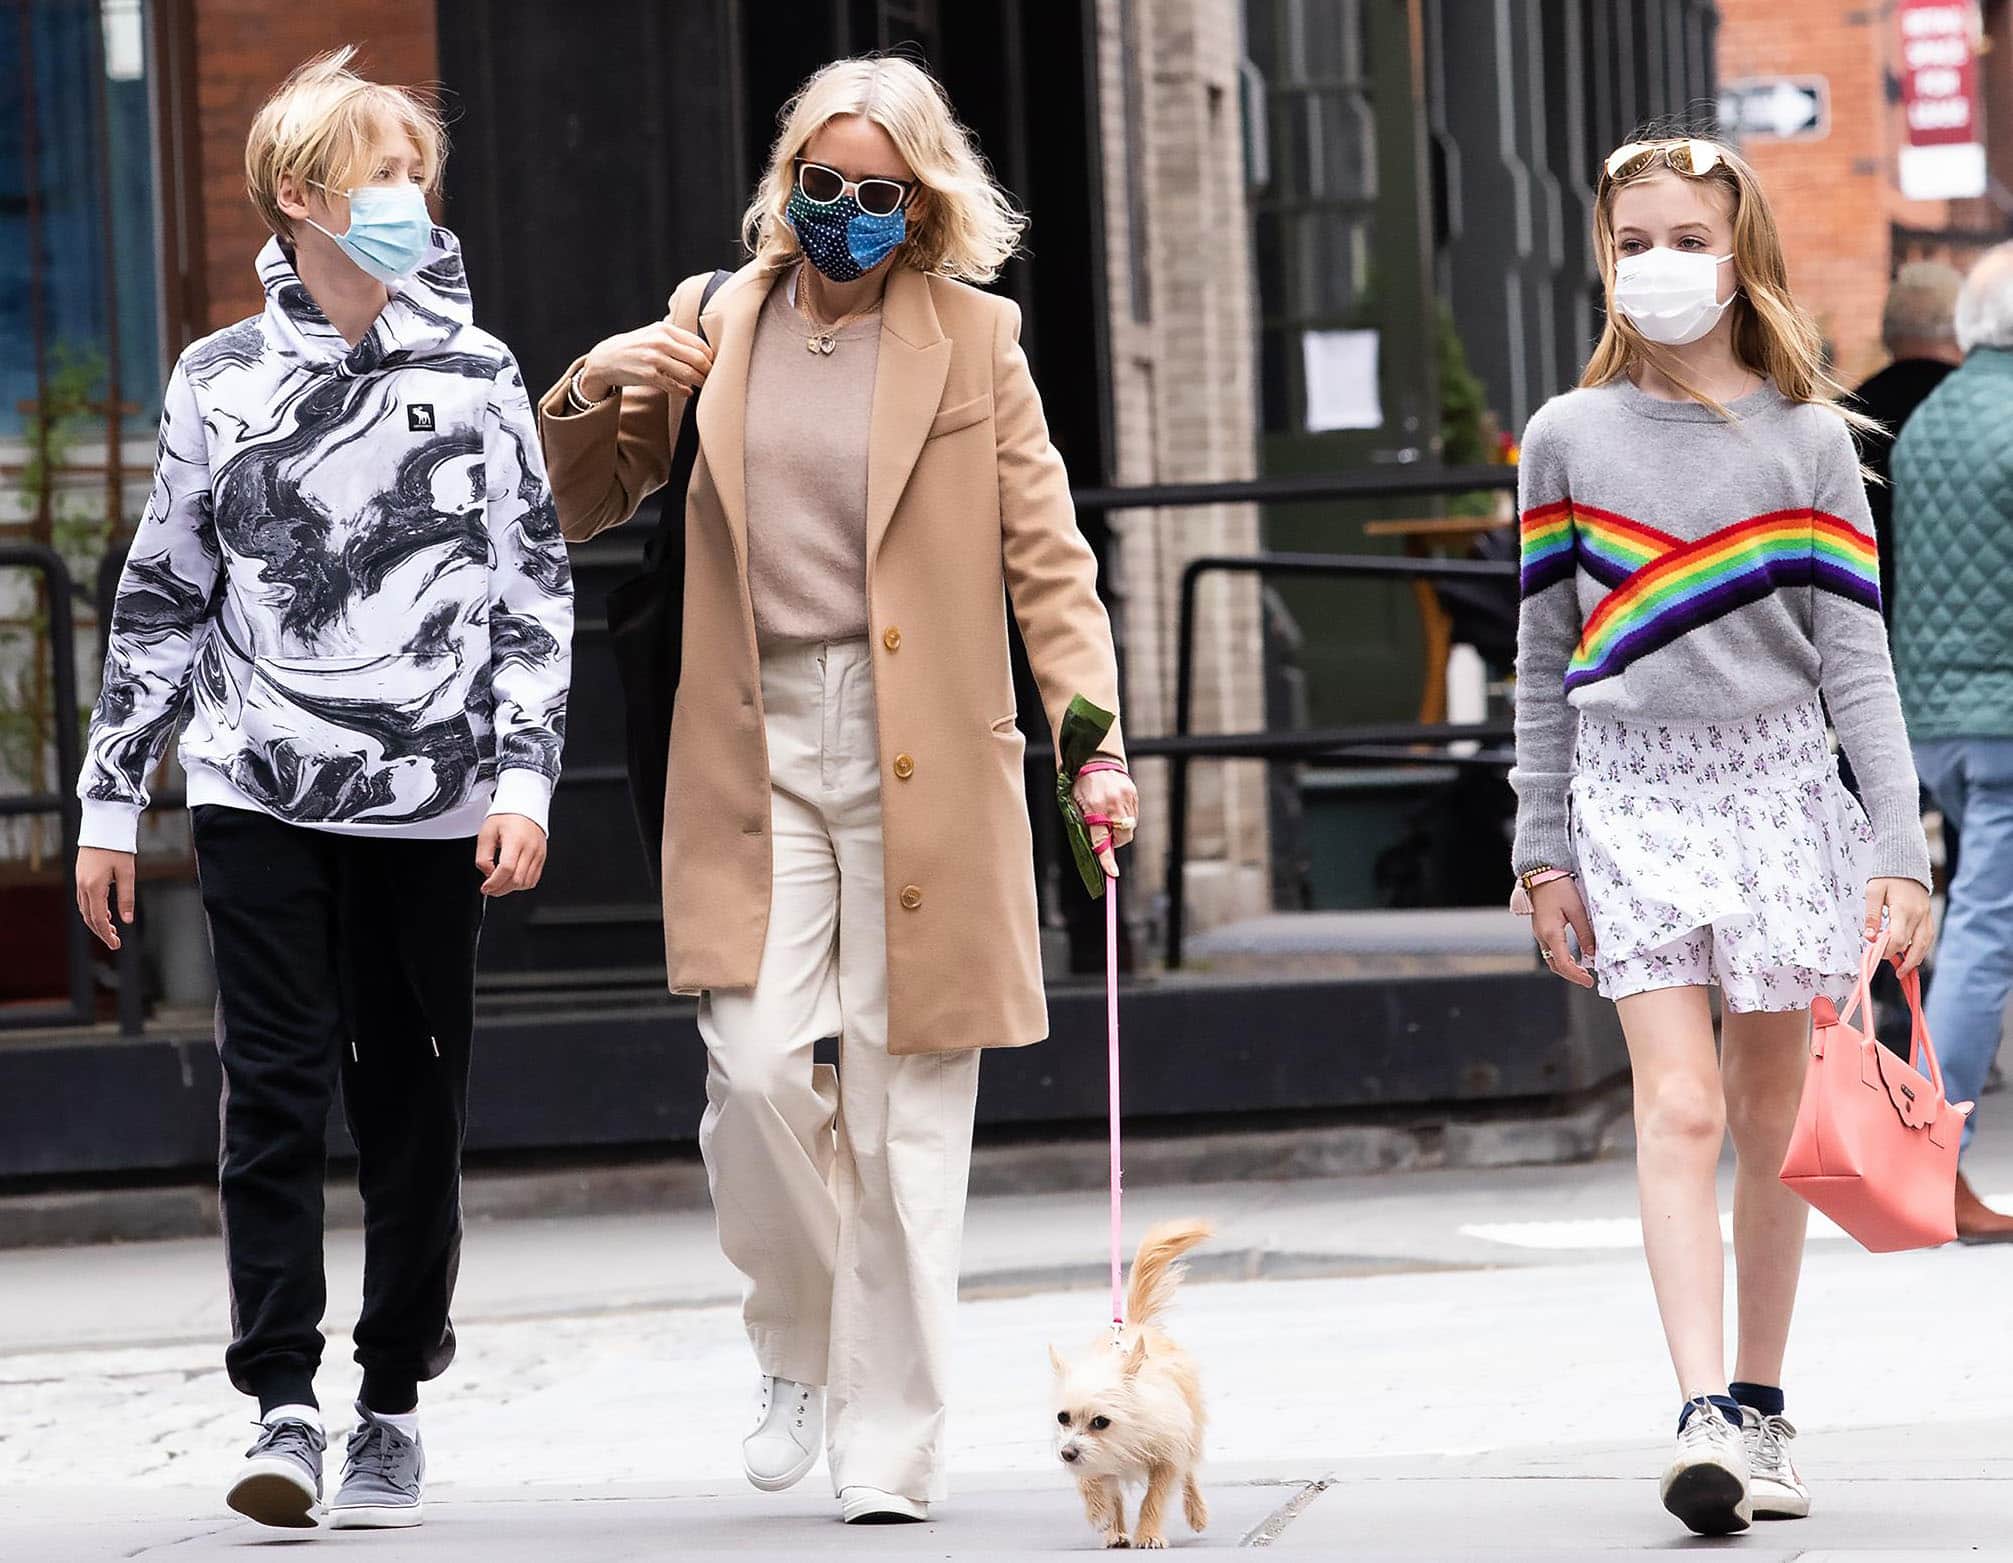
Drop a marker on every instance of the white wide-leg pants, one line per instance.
(840, 1195)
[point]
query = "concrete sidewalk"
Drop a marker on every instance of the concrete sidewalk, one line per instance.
(1422, 1364)
(1941, 1499)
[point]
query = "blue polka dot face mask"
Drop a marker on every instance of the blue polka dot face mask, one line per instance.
(852, 232)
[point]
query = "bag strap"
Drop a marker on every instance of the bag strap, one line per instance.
(1920, 1049)
(671, 503)
(1862, 993)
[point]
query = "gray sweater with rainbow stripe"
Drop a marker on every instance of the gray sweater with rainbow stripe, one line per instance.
(1679, 568)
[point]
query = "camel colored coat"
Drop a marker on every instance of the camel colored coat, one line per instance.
(968, 508)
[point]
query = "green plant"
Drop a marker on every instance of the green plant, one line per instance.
(1466, 424)
(73, 387)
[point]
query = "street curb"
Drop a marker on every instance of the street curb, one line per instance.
(1584, 1132)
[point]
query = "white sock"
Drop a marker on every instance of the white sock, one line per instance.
(407, 1422)
(309, 1414)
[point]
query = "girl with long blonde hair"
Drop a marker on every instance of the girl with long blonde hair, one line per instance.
(845, 845)
(1698, 569)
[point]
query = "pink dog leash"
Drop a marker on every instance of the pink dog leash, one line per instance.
(1111, 1035)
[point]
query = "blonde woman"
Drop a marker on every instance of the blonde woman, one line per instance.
(1698, 567)
(846, 845)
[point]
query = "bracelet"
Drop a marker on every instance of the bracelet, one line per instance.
(577, 398)
(1530, 879)
(1103, 762)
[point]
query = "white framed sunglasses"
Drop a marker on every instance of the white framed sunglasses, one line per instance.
(877, 197)
(1690, 155)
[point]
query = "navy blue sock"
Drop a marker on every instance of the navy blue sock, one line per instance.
(1765, 1398)
(1726, 1405)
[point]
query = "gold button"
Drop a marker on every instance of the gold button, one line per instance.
(904, 767)
(911, 897)
(892, 638)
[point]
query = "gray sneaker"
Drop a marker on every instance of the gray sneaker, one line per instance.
(281, 1483)
(383, 1478)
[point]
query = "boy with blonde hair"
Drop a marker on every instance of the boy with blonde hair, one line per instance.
(350, 593)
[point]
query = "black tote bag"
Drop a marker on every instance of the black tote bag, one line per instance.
(646, 628)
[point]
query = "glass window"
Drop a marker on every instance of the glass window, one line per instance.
(77, 237)
(1313, 220)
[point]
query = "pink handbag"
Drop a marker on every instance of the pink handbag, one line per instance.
(1875, 1145)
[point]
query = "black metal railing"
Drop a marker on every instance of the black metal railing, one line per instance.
(1396, 743)
(58, 589)
(1377, 744)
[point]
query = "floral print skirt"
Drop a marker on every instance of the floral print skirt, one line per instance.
(1724, 854)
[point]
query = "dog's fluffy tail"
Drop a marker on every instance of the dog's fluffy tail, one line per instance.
(1157, 1270)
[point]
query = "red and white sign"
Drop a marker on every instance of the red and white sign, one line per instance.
(1943, 159)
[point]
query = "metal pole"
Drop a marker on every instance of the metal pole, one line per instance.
(115, 391)
(44, 520)
(1177, 776)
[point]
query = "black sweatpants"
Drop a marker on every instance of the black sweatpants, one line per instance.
(351, 956)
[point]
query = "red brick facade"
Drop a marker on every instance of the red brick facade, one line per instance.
(1836, 197)
(242, 49)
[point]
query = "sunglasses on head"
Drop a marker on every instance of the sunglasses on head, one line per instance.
(877, 197)
(1689, 156)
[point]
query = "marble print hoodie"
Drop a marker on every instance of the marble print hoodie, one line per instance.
(348, 589)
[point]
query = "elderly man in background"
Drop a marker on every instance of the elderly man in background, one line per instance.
(1919, 330)
(1953, 655)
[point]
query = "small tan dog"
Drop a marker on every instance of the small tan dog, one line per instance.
(1134, 1414)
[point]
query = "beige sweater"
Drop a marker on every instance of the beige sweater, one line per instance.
(806, 474)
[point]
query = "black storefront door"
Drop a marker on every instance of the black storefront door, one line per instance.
(603, 152)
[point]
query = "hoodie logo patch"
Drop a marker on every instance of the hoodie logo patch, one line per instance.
(419, 417)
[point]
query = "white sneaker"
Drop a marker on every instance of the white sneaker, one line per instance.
(871, 1506)
(1779, 1493)
(789, 1430)
(1706, 1485)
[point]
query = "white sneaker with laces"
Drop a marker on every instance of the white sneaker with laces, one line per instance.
(871, 1506)
(789, 1430)
(1706, 1484)
(1779, 1493)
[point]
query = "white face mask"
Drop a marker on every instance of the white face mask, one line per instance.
(1671, 296)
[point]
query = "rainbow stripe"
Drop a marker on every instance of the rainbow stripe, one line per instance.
(1545, 544)
(1609, 547)
(1695, 583)
(1612, 548)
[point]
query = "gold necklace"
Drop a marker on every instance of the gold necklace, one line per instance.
(824, 339)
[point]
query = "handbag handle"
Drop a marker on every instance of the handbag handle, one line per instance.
(1921, 1050)
(1862, 993)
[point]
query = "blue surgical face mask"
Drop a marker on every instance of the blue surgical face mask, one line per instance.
(841, 240)
(390, 230)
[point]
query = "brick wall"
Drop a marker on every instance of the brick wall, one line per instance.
(1836, 197)
(243, 50)
(1184, 403)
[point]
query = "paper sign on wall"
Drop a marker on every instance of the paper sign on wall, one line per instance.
(1341, 374)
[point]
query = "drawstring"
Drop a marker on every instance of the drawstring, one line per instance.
(1111, 1034)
